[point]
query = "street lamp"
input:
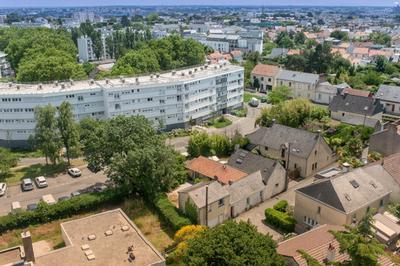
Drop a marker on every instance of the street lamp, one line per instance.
(365, 114)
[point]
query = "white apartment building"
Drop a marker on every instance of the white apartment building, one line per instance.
(86, 52)
(174, 98)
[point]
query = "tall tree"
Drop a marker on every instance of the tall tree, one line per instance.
(47, 136)
(360, 244)
(231, 243)
(68, 128)
(7, 160)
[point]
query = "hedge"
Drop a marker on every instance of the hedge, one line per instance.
(281, 206)
(63, 209)
(169, 213)
(280, 220)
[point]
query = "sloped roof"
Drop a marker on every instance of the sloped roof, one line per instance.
(355, 104)
(246, 187)
(347, 192)
(213, 169)
(265, 70)
(357, 92)
(249, 162)
(197, 193)
(392, 165)
(277, 135)
(388, 93)
(298, 76)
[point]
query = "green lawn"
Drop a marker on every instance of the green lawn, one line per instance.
(219, 122)
(28, 154)
(248, 96)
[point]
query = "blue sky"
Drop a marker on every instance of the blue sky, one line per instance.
(27, 3)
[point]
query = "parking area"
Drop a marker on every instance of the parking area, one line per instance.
(62, 185)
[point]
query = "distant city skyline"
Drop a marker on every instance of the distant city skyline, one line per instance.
(52, 3)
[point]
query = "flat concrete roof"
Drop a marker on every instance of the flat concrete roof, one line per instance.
(109, 249)
(182, 75)
(10, 256)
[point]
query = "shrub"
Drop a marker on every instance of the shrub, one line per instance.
(169, 213)
(281, 206)
(46, 213)
(280, 220)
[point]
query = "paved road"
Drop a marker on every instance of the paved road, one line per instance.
(62, 185)
(256, 215)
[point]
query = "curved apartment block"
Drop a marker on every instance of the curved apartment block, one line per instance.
(175, 98)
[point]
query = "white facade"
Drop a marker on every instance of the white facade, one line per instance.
(86, 52)
(175, 98)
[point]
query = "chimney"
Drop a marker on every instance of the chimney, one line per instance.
(230, 182)
(346, 167)
(62, 86)
(71, 81)
(107, 81)
(56, 83)
(330, 254)
(91, 81)
(28, 247)
(137, 80)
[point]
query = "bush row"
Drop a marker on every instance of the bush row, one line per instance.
(280, 220)
(281, 206)
(63, 209)
(169, 213)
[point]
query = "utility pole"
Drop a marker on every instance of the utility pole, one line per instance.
(206, 205)
(287, 169)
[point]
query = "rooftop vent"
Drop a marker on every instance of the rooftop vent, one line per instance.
(190, 72)
(183, 74)
(173, 73)
(372, 183)
(151, 76)
(91, 237)
(195, 70)
(157, 75)
(137, 80)
(62, 86)
(125, 228)
(10, 84)
(347, 196)
(108, 233)
(121, 78)
(71, 81)
(40, 86)
(239, 161)
(91, 81)
(107, 81)
(56, 83)
(354, 183)
(18, 87)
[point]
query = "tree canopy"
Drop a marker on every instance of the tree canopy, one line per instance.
(231, 243)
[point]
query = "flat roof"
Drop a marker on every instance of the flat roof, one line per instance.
(10, 256)
(182, 75)
(114, 233)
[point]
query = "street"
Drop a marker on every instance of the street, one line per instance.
(62, 185)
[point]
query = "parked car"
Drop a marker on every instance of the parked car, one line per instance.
(41, 182)
(75, 194)
(63, 198)
(74, 172)
(254, 102)
(3, 188)
(27, 184)
(93, 168)
(32, 206)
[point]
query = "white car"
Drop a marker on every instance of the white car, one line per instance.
(3, 188)
(74, 172)
(41, 182)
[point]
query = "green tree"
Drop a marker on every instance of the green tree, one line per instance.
(279, 94)
(256, 83)
(360, 244)
(7, 160)
(199, 144)
(340, 35)
(231, 243)
(125, 22)
(137, 62)
(47, 137)
(296, 62)
(380, 63)
(381, 38)
(68, 128)
(300, 38)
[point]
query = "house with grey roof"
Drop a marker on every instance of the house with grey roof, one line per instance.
(387, 140)
(325, 92)
(278, 52)
(340, 200)
(300, 151)
(389, 96)
(303, 85)
(356, 110)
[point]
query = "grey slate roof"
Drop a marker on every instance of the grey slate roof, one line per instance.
(277, 135)
(249, 162)
(388, 93)
(246, 187)
(297, 76)
(326, 87)
(197, 192)
(355, 104)
(277, 52)
(348, 192)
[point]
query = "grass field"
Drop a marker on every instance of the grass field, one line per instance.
(247, 96)
(142, 215)
(219, 122)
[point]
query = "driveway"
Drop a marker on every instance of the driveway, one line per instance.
(62, 185)
(256, 215)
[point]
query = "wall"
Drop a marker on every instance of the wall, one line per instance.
(360, 213)
(356, 119)
(300, 90)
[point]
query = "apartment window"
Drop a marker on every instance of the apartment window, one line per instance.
(162, 101)
(290, 84)
(262, 78)
(343, 114)
(80, 98)
(117, 106)
(269, 80)
(149, 99)
(221, 203)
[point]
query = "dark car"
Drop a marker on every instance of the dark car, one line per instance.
(32, 207)
(64, 198)
(93, 168)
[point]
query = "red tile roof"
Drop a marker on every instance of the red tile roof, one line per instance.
(357, 92)
(265, 70)
(316, 243)
(392, 165)
(213, 170)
